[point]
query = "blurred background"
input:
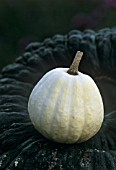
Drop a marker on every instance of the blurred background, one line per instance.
(25, 21)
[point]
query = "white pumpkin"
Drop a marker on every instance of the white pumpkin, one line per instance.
(66, 106)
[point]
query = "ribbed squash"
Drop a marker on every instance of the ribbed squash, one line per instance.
(21, 146)
(66, 105)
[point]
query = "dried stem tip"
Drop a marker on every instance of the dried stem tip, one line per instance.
(73, 70)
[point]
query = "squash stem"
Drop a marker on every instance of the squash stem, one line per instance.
(73, 70)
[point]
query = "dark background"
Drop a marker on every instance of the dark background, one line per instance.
(25, 21)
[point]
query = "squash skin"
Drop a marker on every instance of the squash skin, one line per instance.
(66, 108)
(19, 141)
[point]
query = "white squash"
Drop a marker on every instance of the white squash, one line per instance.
(66, 106)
